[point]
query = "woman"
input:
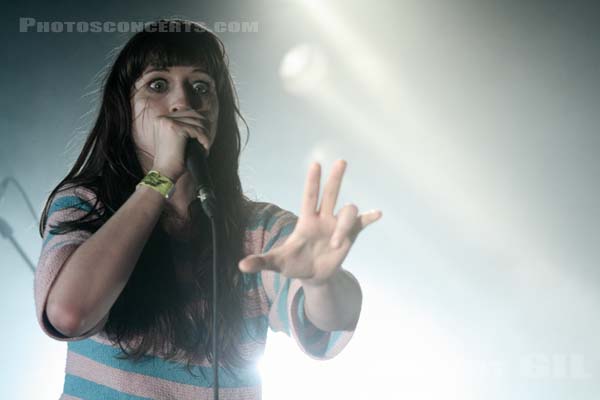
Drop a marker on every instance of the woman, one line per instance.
(125, 267)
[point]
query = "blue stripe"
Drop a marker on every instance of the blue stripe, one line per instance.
(59, 244)
(165, 369)
(272, 219)
(258, 219)
(69, 202)
(276, 283)
(284, 232)
(265, 217)
(63, 203)
(301, 308)
(282, 303)
(84, 389)
(335, 337)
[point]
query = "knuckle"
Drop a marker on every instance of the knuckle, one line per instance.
(352, 208)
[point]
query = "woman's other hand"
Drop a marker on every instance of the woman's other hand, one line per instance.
(320, 242)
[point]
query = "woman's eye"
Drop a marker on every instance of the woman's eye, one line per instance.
(201, 87)
(158, 85)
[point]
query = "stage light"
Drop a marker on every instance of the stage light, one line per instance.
(303, 69)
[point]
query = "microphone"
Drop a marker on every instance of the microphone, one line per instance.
(196, 163)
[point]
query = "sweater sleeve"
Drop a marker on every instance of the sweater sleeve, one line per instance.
(286, 296)
(67, 205)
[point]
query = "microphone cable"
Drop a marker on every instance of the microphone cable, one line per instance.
(198, 166)
(215, 308)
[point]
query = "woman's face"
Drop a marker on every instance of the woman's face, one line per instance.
(164, 91)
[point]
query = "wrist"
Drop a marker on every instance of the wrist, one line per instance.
(323, 284)
(166, 172)
(157, 181)
(154, 192)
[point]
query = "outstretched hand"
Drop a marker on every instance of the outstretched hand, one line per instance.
(320, 242)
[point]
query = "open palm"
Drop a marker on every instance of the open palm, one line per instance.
(320, 242)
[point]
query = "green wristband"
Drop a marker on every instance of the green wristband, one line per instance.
(158, 182)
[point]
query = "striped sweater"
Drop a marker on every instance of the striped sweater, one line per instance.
(93, 371)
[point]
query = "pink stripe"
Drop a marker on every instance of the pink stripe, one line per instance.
(145, 386)
(283, 218)
(268, 281)
(79, 191)
(47, 271)
(257, 239)
(253, 241)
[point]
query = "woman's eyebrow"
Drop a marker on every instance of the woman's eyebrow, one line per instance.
(155, 69)
(202, 70)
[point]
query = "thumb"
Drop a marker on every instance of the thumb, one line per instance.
(253, 263)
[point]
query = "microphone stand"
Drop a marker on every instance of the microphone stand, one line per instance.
(5, 229)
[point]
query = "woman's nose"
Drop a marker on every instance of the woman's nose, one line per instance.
(180, 102)
(178, 107)
(183, 99)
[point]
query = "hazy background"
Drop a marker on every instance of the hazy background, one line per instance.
(473, 125)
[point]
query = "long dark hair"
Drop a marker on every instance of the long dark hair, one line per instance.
(153, 313)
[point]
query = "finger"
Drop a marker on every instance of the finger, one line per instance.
(368, 218)
(311, 190)
(187, 114)
(332, 188)
(346, 219)
(205, 130)
(256, 263)
(195, 125)
(190, 121)
(364, 220)
(203, 138)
